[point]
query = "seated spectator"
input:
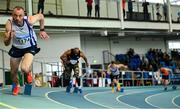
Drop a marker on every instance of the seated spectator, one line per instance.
(138, 77)
(103, 74)
(178, 18)
(55, 80)
(127, 78)
(95, 79)
(177, 70)
(37, 80)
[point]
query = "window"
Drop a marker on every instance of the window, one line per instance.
(54, 67)
(153, 1)
(174, 44)
(173, 2)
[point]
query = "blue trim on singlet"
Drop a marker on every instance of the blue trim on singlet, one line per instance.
(113, 70)
(30, 32)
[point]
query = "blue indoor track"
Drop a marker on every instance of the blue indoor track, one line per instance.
(57, 98)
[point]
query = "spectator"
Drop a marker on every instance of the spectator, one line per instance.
(89, 7)
(95, 79)
(130, 9)
(177, 70)
(37, 81)
(178, 18)
(8, 5)
(159, 16)
(97, 8)
(165, 11)
(41, 6)
(145, 10)
(124, 7)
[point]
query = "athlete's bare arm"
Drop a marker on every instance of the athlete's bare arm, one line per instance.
(108, 69)
(84, 57)
(35, 18)
(9, 33)
(122, 66)
(65, 55)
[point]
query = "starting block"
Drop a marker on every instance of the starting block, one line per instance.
(122, 90)
(13, 86)
(75, 90)
(27, 89)
(174, 87)
(68, 89)
(80, 91)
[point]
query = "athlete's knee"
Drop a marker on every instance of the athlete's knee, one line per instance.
(14, 77)
(112, 84)
(25, 68)
(14, 70)
(76, 75)
(78, 80)
(67, 76)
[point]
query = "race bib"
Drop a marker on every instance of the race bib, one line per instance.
(73, 61)
(23, 41)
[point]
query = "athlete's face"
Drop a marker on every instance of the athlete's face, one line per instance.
(18, 15)
(76, 51)
(113, 65)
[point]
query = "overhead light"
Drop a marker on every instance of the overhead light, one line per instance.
(177, 34)
(120, 34)
(104, 33)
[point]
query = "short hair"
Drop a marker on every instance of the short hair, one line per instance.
(75, 48)
(112, 62)
(18, 8)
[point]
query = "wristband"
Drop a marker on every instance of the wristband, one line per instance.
(42, 29)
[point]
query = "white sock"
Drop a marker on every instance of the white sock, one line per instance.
(79, 87)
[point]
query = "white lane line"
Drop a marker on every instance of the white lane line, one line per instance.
(7, 105)
(130, 93)
(174, 102)
(94, 93)
(146, 100)
(68, 106)
(117, 99)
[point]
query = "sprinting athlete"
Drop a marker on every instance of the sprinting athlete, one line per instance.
(113, 70)
(70, 60)
(165, 76)
(20, 32)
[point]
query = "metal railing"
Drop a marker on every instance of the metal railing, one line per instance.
(107, 57)
(51, 73)
(108, 9)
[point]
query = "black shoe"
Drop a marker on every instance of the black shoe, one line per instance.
(165, 88)
(174, 87)
(75, 90)
(68, 89)
(80, 91)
